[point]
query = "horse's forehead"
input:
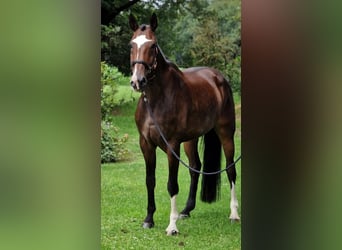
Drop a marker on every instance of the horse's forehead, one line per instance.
(142, 35)
(141, 40)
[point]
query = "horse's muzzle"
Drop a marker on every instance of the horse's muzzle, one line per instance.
(139, 84)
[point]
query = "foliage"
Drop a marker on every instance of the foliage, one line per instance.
(191, 33)
(213, 39)
(114, 45)
(112, 148)
(108, 90)
(111, 78)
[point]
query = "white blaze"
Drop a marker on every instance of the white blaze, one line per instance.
(140, 40)
(134, 77)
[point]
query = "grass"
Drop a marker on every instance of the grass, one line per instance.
(124, 200)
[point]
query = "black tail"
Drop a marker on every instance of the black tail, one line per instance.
(211, 163)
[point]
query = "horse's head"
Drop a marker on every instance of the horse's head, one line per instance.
(144, 52)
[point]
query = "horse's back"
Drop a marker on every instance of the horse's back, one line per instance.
(201, 77)
(204, 80)
(194, 76)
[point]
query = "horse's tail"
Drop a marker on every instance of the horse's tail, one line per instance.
(211, 163)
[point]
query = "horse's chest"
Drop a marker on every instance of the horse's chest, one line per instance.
(149, 130)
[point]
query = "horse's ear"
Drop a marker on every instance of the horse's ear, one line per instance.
(154, 22)
(133, 22)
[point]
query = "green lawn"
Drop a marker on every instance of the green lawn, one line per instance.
(124, 200)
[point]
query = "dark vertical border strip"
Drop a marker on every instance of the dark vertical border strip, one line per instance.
(273, 121)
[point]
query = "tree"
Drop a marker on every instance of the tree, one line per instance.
(209, 35)
(191, 33)
(115, 32)
(111, 9)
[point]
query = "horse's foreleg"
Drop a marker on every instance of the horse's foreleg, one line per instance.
(172, 187)
(149, 153)
(191, 151)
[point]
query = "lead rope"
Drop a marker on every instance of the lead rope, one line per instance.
(174, 153)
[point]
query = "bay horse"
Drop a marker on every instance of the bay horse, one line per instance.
(186, 105)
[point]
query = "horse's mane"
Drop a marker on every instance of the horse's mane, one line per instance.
(174, 66)
(170, 63)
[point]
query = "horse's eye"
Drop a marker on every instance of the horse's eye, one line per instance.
(153, 46)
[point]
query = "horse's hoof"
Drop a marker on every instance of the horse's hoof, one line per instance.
(233, 221)
(147, 225)
(184, 216)
(172, 233)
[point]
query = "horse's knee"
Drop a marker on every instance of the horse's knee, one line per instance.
(172, 188)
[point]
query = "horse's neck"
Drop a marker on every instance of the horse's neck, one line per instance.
(165, 63)
(163, 88)
(165, 84)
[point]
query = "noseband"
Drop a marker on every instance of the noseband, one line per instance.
(150, 67)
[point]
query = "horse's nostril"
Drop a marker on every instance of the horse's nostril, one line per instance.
(143, 81)
(134, 86)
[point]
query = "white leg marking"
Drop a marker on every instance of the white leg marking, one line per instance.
(233, 205)
(172, 228)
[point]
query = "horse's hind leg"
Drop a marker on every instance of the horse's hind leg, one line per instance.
(191, 151)
(227, 141)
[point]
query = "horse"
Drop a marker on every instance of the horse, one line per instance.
(185, 105)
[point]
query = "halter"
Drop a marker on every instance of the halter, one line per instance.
(150, 67)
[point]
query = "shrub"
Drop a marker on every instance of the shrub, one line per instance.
(112, 146)
(111, 78)
(233, 71)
